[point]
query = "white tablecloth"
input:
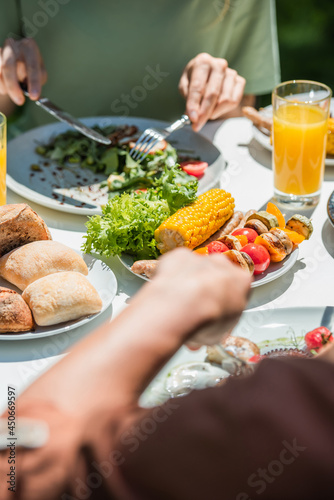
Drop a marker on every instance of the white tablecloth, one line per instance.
(248, 177)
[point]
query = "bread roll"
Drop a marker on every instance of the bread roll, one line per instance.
(33, 261)
(19, 225)
(61, 297)
(15, 315)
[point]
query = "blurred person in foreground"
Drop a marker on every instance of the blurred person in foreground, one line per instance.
(129, 58)
(269, 435)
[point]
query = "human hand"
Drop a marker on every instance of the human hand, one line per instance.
(21, 60)
(194, 290)
(211, 89)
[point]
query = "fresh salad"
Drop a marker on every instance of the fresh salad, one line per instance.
(129, 220)
(71, 150)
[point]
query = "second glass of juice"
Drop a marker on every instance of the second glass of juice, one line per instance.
(3, 158)
(300, 115)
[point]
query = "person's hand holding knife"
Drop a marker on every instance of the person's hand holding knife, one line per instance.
(21, 60)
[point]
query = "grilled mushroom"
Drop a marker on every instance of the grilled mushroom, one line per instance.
(249, 262)
(257, 225)
(287, 243)
(266, 218)
(237, 258)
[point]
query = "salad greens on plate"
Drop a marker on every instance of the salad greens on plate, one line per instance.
(71, 150)
(128, 220)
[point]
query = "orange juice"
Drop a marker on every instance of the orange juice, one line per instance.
(2, 172)
(299, 136)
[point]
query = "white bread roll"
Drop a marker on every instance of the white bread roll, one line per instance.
(33, 261)
(61, 297)
(15, 315)
(19, 225)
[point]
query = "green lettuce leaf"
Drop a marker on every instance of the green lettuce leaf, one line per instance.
(177, 188)
(126, 226)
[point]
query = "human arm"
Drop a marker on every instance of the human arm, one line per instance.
(94, 390)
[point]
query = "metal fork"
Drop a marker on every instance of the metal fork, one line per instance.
(151, 136)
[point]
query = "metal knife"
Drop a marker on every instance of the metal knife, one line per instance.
(63, 116)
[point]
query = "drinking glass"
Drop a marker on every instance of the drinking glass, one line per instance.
(3, 157)
(300, 115)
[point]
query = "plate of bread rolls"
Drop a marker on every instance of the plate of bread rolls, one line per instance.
(45, 287)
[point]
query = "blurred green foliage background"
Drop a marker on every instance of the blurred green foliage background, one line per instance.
(306, 40)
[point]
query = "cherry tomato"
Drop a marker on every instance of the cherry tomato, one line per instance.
(260, 256)
(246, 231)
(217, 247)
(318, 338)
(194, 167)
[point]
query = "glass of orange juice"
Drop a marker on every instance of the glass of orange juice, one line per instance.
(300, 115)
(3, 158)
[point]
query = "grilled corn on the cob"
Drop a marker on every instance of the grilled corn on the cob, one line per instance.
(192, 225)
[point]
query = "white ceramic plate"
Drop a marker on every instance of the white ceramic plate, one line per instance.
(103, 280)
(274, 271)
(264, 140)
(40, 186)
(269, 329)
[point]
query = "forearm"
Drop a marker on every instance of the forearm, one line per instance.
(89, 399)
(118, 360)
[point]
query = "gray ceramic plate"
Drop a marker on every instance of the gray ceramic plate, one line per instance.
(103, 280)
(40, 186)
(274, 271)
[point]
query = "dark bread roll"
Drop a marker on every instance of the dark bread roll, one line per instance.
(15, 315)
(19, 225)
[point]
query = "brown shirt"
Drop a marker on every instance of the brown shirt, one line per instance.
(270, 436)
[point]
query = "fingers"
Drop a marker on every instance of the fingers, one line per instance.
(20, 60)
(198, 78)
(231, 95)
(32, 61)
(210, 287)
(9, 73)
(184, 83)
(212, 92)
(210, 88)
